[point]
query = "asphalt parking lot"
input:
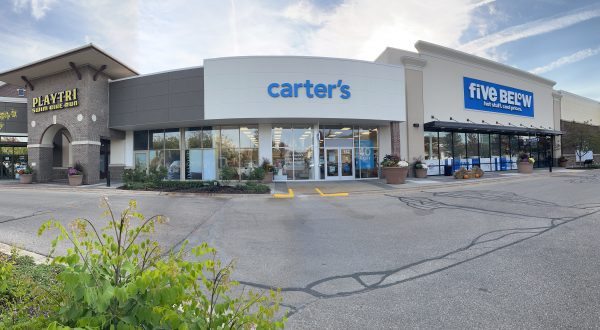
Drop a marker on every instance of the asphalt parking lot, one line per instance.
(513, 253)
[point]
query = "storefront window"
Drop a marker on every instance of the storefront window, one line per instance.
(459, 150)
(366, 152)
(140, 140)
(293, 152)
(495, 149)
(432, 152)
(473, 149)
(485, 159)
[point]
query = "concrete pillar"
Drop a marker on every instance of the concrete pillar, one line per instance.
(556, 104)
(264, 143)
(415, 108)
(395, 138)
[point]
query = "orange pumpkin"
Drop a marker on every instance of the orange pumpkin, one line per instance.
(465, 177)
(477, 175)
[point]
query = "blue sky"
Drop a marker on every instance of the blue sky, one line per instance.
(559, 40)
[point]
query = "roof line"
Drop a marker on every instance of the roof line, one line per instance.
(66, 53)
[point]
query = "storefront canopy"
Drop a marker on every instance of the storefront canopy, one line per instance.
(451, 126)
(88, 55)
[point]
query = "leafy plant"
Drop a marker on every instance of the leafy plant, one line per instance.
(523, 157)
(26, 170)
(266, 165)
(228, 173)
(257, 174)
(418, 164)
(390, 161)
(116, 278)
(76, 169)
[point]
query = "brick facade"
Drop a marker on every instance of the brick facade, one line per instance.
(87, 123)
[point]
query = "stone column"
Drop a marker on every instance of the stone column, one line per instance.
(557, 97)
(395, 136)
(41, 156)
(88, 154)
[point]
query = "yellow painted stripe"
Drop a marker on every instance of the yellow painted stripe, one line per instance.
(342, 194)
(290, 194)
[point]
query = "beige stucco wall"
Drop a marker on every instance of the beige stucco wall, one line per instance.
(444, 96)
(579, 109)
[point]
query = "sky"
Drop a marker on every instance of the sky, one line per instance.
(559, 40)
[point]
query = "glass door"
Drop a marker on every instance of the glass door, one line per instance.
(340, 164)
(332, 170)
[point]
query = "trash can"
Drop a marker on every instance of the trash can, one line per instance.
(448, 170)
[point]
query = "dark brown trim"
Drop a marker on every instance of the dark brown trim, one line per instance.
(27, 82)
(74, 67)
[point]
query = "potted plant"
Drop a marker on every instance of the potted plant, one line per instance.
(394, 169)
(266, 165)
(76, 175)
(26, 175)
(420, 168)
(525, 164)
(562, 161)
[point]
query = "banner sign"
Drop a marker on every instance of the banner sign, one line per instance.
(486, 96)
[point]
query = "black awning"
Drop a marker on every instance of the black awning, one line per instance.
(451, 126)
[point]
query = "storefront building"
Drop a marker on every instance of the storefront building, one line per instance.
(313, 118)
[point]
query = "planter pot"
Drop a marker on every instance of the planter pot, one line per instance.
(395, 175)
(421, 173)
(75, 180)
(525, 167)
(268, 177)
(25, 178)
(562, 164)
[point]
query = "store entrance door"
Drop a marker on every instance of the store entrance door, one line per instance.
(340, 163)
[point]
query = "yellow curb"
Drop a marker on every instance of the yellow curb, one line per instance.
(342, 194)
(290, 194)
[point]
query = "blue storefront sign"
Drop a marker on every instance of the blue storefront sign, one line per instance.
(486, 96)
(309, 89)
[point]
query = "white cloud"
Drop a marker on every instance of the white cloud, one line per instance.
(304, 11)
(39, 8)
(483, 45)
(572, 58)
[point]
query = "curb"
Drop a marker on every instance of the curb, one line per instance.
(38, 259)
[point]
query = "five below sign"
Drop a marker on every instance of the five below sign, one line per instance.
(487, 96)
(55, 101)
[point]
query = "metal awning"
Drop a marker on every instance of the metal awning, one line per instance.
(451, 126)
(88, 55)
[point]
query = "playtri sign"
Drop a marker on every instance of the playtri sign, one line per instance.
(55, 101)
(486, 96)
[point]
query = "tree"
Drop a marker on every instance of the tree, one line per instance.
(581, 138)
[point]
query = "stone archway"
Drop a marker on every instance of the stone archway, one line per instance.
(53, 155)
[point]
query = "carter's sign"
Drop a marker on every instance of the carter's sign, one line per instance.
(55, 101)
(309, 89)
(487, 96)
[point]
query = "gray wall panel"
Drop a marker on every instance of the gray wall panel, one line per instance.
(158, 99)
(14, 125)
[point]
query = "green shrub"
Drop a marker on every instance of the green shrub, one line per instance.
(30, 294)
(228, 173)
(116, 278)
(253, 188)
(256, 174)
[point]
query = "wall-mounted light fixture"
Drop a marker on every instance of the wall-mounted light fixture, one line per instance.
(415, 124)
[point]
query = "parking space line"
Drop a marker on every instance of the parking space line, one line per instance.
(290, 194)
(342, 194)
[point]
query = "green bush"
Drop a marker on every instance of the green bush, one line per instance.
(253, 188)
(228, 173)
(256, 174)
(29, 294)
(116, 278)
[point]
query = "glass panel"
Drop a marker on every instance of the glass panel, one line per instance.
(332, 162)
(248, 161)
(282, 137)
(495, 149)
(303, 152)
(445, 152)
(337, 132)
(484, 152)
(158, 139)
(248, 137)
(193, 164)
(432, 151)
(157, 158)
(460, 152)
(193, 138)
(473, 149)
(173, 164)
(347, 162)
(140, 140)
(230, 137)
(141, 160)
(504, 153)
(366, 162)
(282, 164)
(172, 139)
(209, 136)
